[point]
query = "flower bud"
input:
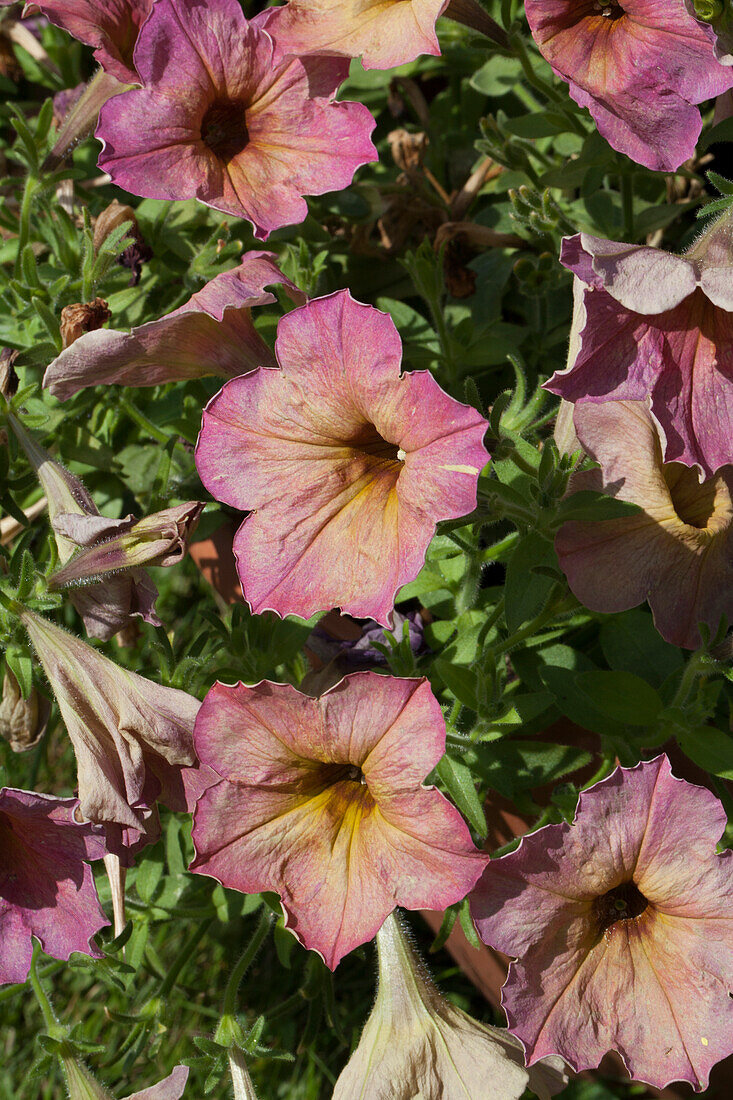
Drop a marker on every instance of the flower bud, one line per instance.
(22, 721)
(137, 253)
(158, 539)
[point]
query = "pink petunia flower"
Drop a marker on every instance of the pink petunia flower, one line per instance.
(46, 885)
(648, 322)
(639, 66)
(322, 800)
(219, 121)
(347, 464)
(110, 26)
(622, 928)
(677, 552)
(212, 333)
(383, 34)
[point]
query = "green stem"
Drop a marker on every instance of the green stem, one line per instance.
(493, 552)
(141, 420)
(607, 765)
(627, 199)
(245, 961)
(530, 628)
(54, 1028)
(691, 673)
(183, 956)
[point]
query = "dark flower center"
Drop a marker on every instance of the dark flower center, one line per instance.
(705, 505)
(330, 774)
(609, 9)
(624, 902)
(370, 442)
(224, 128)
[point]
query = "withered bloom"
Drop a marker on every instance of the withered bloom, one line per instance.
(131, 737)
(109, 606)
(82, 317)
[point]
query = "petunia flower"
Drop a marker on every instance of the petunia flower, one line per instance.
(212, 333)
(648, 322)
(621, 925)
(131, 736)
(83, 1086)
(322, 801)
(112, 545)
(46, 885)
(110, 605)
(110, 26)
(219, 121)
(677, 552)
(639, 66)
(417, 1044)
(347, 464)
(383, 33)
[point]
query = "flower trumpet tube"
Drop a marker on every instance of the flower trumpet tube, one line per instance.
(416, 1043)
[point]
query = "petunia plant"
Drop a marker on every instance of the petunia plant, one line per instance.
(366, 599)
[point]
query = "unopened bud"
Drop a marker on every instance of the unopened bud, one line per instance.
(82, 317)
(22, 721)
(137, 253)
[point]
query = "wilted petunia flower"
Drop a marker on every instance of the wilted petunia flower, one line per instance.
(218, 121)
(322, 801)
(46, 886)
(621, 925)
(677, 553)
(106, 607)
(83, 1086)
(111, 26)
(111, 545)
(639, 66)
(211, 334)
(417, 1044)
(131, 736)
(347, 464)
(651, 323)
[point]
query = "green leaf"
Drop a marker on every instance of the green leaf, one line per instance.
(631, 641)
(497, 77)
(709, 748)
(461, 682)
(149, 874)
(459, 783)
(514, 766)
(21, 666)
(526, 591)
(590, 505)
(622, 696)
